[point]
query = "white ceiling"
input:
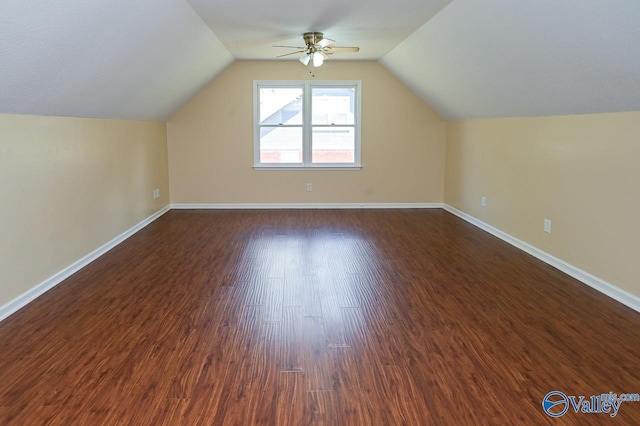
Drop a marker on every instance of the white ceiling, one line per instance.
(249, 28)
(517, 58)
(467, 58)
(137, 59)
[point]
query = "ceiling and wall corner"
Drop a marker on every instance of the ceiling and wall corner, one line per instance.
(467, 59)
(105, 59)
(505, 58)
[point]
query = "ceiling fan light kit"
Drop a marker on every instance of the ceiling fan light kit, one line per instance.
(305, 59)
(317, 49)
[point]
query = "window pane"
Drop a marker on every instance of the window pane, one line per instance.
(281, 144)
(333, 105)
(280, 105)
(333, 145)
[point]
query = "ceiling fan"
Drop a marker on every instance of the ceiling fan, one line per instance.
(317, 49)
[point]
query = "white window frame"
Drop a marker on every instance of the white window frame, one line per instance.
(307, 127)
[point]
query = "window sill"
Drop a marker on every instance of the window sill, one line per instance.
(307, 168)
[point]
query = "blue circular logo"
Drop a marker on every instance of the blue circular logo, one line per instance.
(555, 403)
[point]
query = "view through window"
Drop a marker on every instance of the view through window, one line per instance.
(307, 124)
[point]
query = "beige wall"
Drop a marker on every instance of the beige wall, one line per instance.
(211, 143)
(68, 186)
(582, 172)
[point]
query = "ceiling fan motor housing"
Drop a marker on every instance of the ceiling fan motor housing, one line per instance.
(312, 38)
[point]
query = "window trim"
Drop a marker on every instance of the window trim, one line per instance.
(307, 126)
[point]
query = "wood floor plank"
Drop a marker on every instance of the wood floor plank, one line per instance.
(290, 353)
(291, 400)
(336, 317)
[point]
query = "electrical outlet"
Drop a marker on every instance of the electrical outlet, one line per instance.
(483, 201)
(547, 226)
(309, 187)
(156, 193)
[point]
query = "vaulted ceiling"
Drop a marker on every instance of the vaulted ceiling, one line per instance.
(517, 58)
(143, 59)
(139, 59)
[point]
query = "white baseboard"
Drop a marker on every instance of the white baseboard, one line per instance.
(56, 279)
(31, 294)
(602, 286)
(253, 206)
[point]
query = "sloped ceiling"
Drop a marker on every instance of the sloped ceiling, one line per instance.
(249, 28)
(468, 59)
(516, 58)
(137, 59)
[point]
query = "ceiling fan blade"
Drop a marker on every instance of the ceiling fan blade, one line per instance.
(317, 49)
(292, 53)
(345, 49)
(325, 42)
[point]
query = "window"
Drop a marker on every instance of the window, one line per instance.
(307, 124)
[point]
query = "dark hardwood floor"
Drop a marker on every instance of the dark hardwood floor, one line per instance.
(347, 317)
